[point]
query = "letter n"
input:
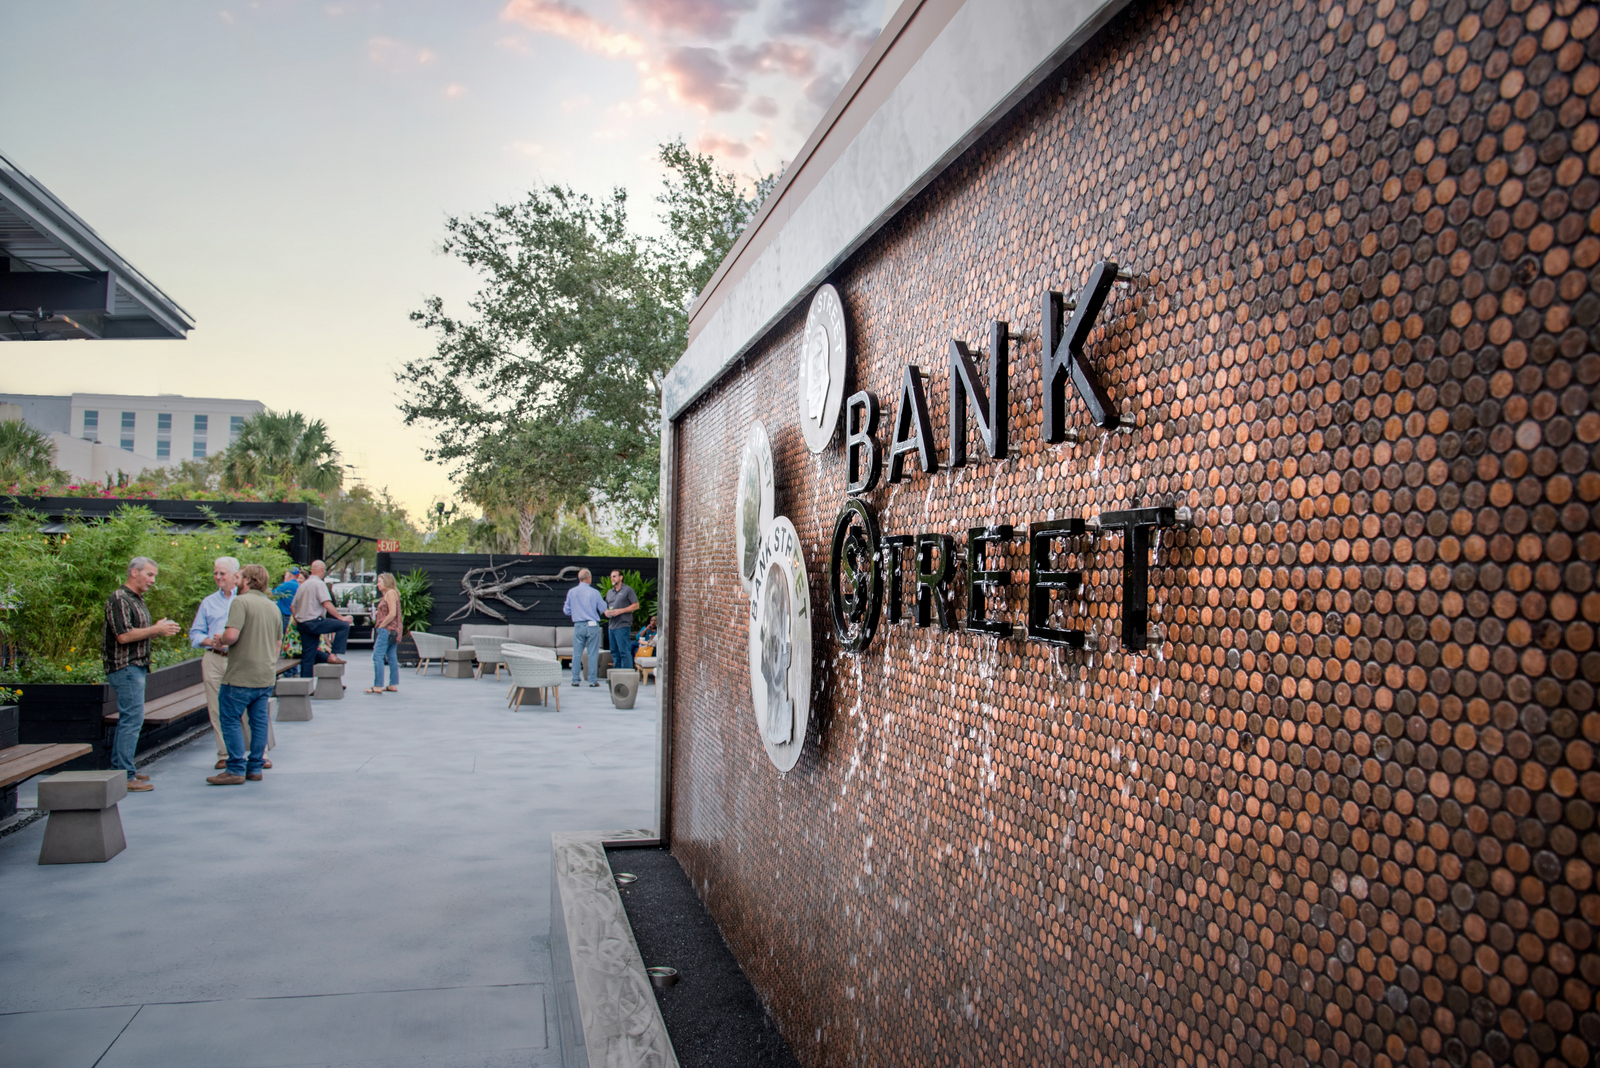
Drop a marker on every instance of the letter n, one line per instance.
(991, 410)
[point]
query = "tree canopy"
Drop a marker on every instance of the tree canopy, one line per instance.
(544, 396)
(27, 455)
(283, 450)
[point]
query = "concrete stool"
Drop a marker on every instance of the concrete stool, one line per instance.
(84, 827)
(330, 682)
(458, 663)
(294, 699)
(624, 687)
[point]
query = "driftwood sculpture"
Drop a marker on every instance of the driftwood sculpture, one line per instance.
(482, 584)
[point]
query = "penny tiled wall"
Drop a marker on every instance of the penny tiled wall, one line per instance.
(1343, 810)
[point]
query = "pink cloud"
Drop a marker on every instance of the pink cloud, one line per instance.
(396, 55)
(699, 78)
(772, 56)
(834, 22)
(714, 144)
(700, 18)
(764, 106)
(573, 24)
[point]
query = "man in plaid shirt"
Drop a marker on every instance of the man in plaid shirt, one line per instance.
(125, 648)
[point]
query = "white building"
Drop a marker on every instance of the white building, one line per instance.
(100, 434)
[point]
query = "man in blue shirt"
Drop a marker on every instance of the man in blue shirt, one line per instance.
(585, 607)
(285, 591)
(210, 620)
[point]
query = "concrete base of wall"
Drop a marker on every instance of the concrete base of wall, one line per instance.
(605, 1007)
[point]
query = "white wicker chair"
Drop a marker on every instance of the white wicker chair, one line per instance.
(486, 650)
(430, 648)
(532, 672)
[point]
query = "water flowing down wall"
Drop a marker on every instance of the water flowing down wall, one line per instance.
(1342, 809)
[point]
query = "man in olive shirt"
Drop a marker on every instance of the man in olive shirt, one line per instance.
(252, 638)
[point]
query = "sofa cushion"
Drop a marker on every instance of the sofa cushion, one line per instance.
(563, 637)
(492, 630)
(543, 637)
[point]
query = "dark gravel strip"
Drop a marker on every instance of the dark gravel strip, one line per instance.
(713, 1015)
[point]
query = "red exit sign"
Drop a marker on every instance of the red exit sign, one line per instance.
(388, 546)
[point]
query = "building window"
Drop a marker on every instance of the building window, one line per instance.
(164, 436)
(127, 431)
(200, 422)
(235, 425)
(91, 425)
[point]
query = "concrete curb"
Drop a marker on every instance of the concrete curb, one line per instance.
(605, 1006)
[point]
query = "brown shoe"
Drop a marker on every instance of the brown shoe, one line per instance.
(222, 762)
(141, 776)
(254, 776)
(225, 780)
(266, 765)
(135, 786)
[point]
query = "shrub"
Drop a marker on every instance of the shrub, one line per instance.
(53, 586)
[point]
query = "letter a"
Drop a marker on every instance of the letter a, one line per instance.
(912, 431)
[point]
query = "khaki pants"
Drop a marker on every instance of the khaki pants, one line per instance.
(211, 669)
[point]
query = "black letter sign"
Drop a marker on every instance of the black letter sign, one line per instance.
(860, 423)
(912, 431)
(990, 409)
(1137, 524)
(1063, 354)
(980, 580)
(931, 583)
(855, 586)
(1042, 578)
(893, 545)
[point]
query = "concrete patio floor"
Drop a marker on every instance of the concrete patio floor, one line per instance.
(382, 898)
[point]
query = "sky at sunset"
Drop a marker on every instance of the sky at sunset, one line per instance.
(283, 169)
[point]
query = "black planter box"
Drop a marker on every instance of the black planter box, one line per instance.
(10, 719)
(72, 712)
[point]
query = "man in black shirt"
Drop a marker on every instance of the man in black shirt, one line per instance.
(125, 649)
(621, 603)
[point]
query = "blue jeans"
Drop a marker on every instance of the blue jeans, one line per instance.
(233, 704)
(311, 634)
(129, 684)
(586, 641)
(622, 645)
(385, 650)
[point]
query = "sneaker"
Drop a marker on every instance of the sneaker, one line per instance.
(136, 786)
(225, 780)
(594, 684)
(574, 684)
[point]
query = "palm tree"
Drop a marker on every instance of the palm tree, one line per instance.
(282, 449)
(26, 454)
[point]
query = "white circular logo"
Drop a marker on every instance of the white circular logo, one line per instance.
(822, 367)
(755, 504)
(780, 645)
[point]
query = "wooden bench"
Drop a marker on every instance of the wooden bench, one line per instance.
(162, 711)
(19, 762)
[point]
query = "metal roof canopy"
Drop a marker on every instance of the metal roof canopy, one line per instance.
(60, 280)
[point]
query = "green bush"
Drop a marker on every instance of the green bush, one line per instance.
(53, 587)
(416, 603)
(646, 591)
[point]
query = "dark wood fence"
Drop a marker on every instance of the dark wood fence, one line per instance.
(541, 604)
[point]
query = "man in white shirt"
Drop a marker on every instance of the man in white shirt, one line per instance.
(315, 614)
